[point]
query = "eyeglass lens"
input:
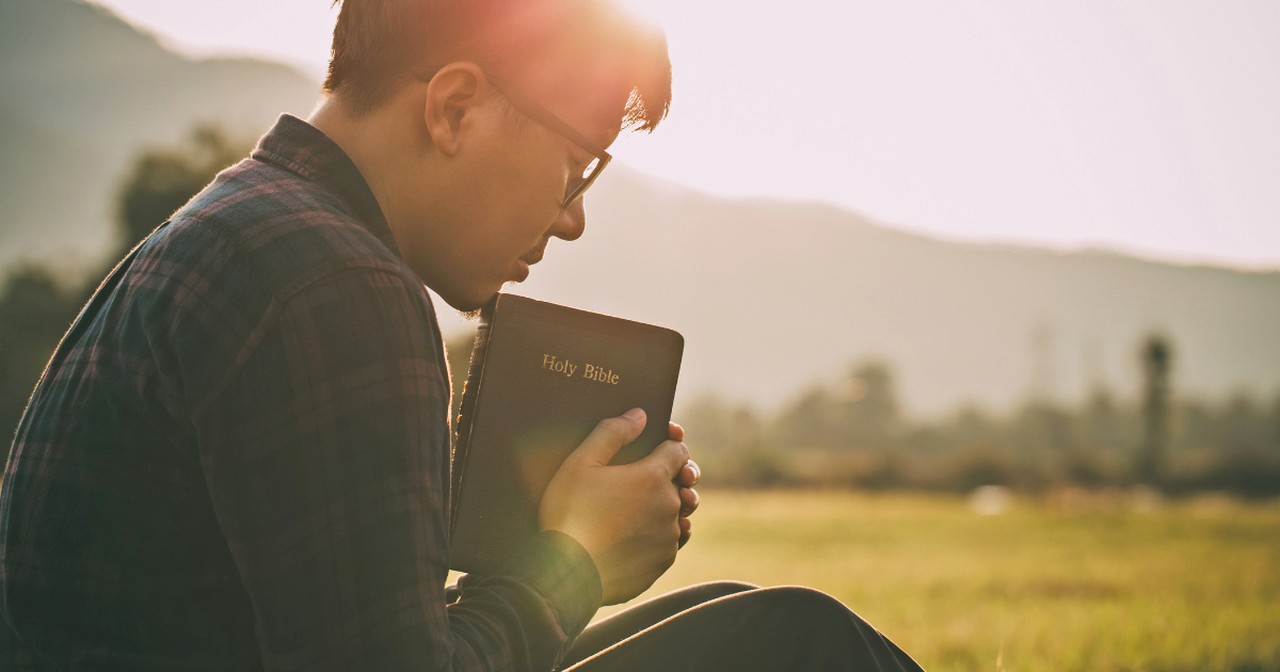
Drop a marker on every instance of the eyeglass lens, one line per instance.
(578, 186)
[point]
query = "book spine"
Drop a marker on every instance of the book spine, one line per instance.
(467, 410)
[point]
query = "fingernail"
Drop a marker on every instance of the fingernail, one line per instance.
(634, 414)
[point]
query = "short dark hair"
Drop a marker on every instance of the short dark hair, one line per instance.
(379, 45)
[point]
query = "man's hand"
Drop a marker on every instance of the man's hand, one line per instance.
(630, 518)
(689, 476)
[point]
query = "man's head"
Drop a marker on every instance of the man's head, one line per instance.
(471, 119)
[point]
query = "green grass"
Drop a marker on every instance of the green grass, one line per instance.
(1082, 583)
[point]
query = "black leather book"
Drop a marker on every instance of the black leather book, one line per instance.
(541, 376)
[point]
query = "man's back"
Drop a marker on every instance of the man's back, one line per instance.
(123, 475)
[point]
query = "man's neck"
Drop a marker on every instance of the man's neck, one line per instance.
(365, 139)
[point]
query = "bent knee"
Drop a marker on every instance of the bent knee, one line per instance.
(714, 589)
(801, 604)
(803, 595)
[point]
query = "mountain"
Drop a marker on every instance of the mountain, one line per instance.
(774, 296)
(85, 92)
(771, 296)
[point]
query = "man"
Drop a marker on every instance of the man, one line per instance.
(238, 456)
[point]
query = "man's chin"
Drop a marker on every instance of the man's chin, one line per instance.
(471, 307)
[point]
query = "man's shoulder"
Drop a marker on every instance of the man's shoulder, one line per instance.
(284, 230)
(222, 268)
(208, 286)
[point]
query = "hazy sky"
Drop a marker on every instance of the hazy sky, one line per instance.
(1148, 126)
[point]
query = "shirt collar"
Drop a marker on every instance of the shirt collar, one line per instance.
(301, 148)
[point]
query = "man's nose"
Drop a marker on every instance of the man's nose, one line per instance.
(571, 222)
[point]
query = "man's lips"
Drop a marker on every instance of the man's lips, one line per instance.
(534, 257)
(526, 261)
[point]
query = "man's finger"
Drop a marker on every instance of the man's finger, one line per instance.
(689, 475)
(686, 531)
(610, 435)
(689, 500)
(675, 432)
(672, 456)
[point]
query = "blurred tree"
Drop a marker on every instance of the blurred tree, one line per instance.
(888, 469)
(809, 421)
(1157, 359)
(717, 428)
(1041, 429)
(969, 424)
(1243, 423)
(34, 313)
(1043, 382)
(710, 419)
(1100, 420)
(1273, 434)
(728, 441)
(972, 424)
(977, 465)
(929, 438)
(867, 412)
(1200, 427)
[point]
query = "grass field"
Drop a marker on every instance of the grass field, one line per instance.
(1081, 583)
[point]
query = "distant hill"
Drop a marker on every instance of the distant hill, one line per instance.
(774, 296)
(771, 296)
(83, 93)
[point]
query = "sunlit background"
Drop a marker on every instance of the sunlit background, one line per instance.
(1146, 126)
(981, 300)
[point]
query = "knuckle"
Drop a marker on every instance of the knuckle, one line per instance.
(674, 457)
(676, 451)
(658, 472)
(673, 500)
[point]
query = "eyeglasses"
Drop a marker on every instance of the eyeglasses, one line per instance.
(578, 184)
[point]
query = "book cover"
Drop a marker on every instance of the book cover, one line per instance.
(541, 376)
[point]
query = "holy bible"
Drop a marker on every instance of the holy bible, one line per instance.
(541, 376)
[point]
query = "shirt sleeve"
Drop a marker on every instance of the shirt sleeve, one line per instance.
(326, 456)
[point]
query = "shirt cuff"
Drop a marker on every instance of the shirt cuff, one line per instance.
(562, 571)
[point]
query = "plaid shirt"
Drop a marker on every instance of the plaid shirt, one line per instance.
(238, 457)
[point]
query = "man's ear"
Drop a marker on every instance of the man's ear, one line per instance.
(452, 96)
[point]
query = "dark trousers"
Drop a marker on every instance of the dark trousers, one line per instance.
(735, 626)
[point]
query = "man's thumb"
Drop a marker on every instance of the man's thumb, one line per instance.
(610, 435)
